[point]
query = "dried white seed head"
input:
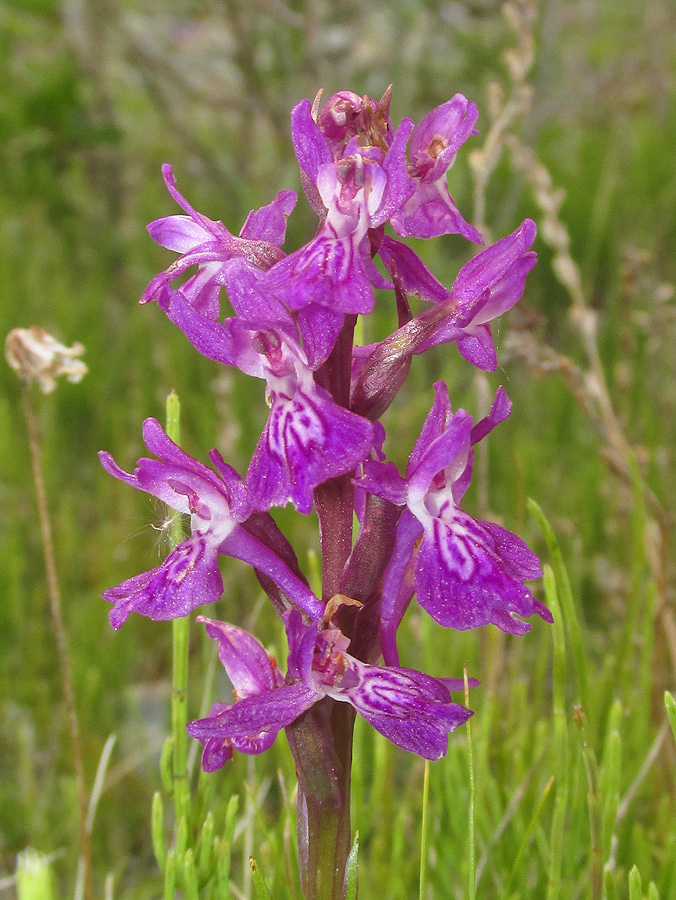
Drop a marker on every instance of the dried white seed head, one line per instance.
(37, 356)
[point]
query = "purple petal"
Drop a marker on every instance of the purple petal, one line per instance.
(244, 658)
(319, 327)
(477, 347)
(463, 581)
(269, 223)
(383, 480)
(312, 152)
(218, 751)
(398, 585)
(113, 469)
(435, 423)
(266, 712)
(431, 212)
(229, 342)
(449, 452)
(216, 754)
(437, 139)
(515, 555)
(415, 277)
(502, 269)
(307, 440)
(500, 410)
(187, 578)
(170, 181)
(327, 271)
(178, 233)
(399, 187)
(201, 478)
(245, 546)
(248, 297)
(311, 148)
(409, 708)
(301, 638)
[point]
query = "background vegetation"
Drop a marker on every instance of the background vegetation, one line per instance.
(577, 129)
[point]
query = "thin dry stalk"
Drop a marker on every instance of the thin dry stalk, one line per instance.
(521, 16)
(60, 636)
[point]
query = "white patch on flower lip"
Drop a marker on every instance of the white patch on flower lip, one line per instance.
(454, 546)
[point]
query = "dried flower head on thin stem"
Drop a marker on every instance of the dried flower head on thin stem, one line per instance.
(37, 356)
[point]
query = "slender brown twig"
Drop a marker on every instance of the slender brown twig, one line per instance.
(59, 634)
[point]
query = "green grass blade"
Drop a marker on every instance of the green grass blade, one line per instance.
(670, 705)
(635, 887)
(260, 887)
(595, 811)
(560, 751)
(471, 893)
(609, 775)
(423, 830)
(528, 835)
(352, 871)
(570, 617)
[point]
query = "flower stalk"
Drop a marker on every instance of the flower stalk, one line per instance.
(39, 358)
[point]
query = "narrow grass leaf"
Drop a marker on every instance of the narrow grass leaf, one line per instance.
(670, 705)
(351, 871)
(423, 830)
(157, 830)
(609, 775)
(472, 796)
(170, 876)
(97, 788)
(165, 766)
(594, 802)
(206, 840)
(635, 889)
(528, 835)
(570, 616)
(560, 753)
(609, 889)
(223, 858)
(190, 877)
(260, 887)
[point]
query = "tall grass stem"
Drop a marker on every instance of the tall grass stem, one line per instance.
(560, 754)
(423, 830)
(180, 633)
(471, 891)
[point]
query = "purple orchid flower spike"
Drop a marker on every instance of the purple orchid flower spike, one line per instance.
(465, 572)
(218, 508)
(221, 257)
(308, 438)
(413, 710)
(431, 211)
(252, 671)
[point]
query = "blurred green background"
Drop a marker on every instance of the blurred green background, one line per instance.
(96, 95)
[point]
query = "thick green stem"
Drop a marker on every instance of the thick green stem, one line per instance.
(180, 635)
(321, 743)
